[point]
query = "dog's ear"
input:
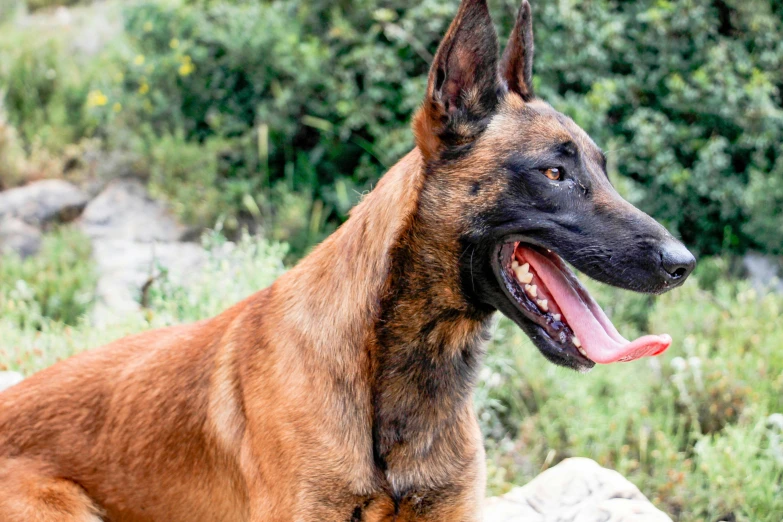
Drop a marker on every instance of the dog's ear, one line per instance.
(462, 91)
(516, 66)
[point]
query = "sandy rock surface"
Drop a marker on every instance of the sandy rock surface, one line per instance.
(576, 490)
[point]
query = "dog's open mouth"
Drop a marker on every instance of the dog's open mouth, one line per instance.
(548, 293)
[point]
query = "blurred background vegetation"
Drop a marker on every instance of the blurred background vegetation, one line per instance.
(277, 114)
(273, 117)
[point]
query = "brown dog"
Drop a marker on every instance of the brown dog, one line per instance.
(343, 391)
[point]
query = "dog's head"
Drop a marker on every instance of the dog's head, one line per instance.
(520, 188)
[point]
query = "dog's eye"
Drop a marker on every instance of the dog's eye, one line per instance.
(554, 173)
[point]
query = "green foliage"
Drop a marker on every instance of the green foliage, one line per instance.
(687, 96)
(43, 90)
(252, 75)
(55, 285)
(315, 99)
(11, 152)
(43, 4)
(9, 8)
(691, 93)
(31, 340)
(185, 174)
(233, 272)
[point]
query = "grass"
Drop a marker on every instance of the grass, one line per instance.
(54, 286)
(695, 429)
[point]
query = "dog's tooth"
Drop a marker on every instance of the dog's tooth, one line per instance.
(543, 304)
(525, 268)
(532, 290)
(524, 277)
(583, 352)
(514, 264)
(576, 341)
(557, 317)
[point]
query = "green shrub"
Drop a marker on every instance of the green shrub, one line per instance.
(689, 95)
(686, 96)
(43, 90)
(56, 284)
(31, 340)
(10, 8)
(43, 4)
(233, 272)
(252, 75)
(185, 173)
(11, 152)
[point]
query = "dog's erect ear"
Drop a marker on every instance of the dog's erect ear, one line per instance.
(516, 66)
(463, 83)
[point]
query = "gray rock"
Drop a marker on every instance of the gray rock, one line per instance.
(124, 267)
(43, 202)
(763, 272)
(124, 210)
(8, 379)
(576, 490)
(18, 237)
(134, 239)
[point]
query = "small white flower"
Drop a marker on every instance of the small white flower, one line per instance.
(679, 364)
(776, 419)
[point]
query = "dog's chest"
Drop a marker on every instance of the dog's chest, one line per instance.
(423, 385)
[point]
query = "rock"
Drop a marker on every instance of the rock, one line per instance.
(18, 237)
(124, 210)
(124, 267)
(576, 490)
(8, 379)
(763, 272)
(43, 202)
(134, 239)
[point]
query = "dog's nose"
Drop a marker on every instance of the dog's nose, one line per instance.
(677, 261)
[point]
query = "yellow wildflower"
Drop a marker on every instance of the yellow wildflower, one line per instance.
(147, 27)
(174, 43)
(187, 66)
(139, 60)
(117, 107)
(144, 88)
(96, 99)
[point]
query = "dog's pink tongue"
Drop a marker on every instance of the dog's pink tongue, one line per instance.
(597, 335)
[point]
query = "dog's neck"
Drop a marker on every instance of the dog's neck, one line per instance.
(430, 347)
(382, 292)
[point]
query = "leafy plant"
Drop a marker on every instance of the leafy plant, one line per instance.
(57, 284)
